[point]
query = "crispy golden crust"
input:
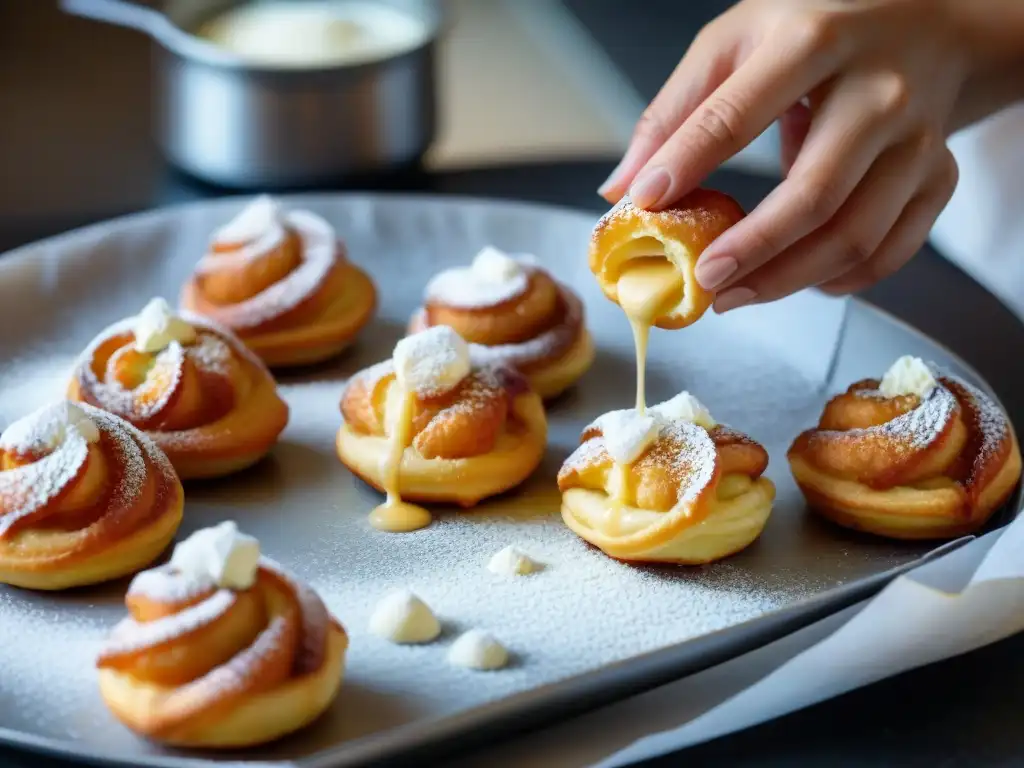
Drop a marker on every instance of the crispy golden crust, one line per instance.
(75, 524)
(212, 407)
(682, 231)
(220, 668)
(483, 437)
(322, 319)
(908, 469)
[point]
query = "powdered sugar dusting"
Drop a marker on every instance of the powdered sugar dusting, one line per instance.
(165, 584)
(466, 288)
(551, 343)
(28, 489)
(320, 251)
(315, 619)
(130, 635)
(684, 449)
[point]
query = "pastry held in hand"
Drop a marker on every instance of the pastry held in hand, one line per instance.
(513, 313)
(222, 648)
(193, 387)
(283, 283)
(439, 427)
(917, 455)
(644, 260)
(84, 498)
(659, 487)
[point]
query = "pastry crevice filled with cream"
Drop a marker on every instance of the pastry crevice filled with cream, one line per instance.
(668, 485)
(916, 455)
(192, 386)
(432, 425)
(222, 648)
(512, 312)
(282, 281)
(84, 498)
(645, 262)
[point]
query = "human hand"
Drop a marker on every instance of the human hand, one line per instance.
(867, 92)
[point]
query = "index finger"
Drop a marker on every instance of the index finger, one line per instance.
(777, 75)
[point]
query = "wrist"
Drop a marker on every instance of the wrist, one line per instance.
(991, 33)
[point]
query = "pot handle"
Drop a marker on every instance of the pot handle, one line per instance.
(120, 13)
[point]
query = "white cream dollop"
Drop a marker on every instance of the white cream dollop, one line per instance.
(157, 326)
(511, 561)
(258, 217)
(627, 434)
(908, 376)
(496, 266)
(403, 618)
(477, 649)
(221, 554)
(43, 430)
(685, 407)
(432, 361)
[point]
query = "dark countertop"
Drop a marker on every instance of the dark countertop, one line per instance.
(74, 149)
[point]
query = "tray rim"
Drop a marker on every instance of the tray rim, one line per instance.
(663, 665)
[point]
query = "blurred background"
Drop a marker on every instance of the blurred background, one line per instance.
(518, 81)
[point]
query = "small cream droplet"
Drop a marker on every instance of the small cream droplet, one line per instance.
(512, 561)
(477, 649)
(402, 617)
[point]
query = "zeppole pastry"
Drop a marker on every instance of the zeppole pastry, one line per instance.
(917, 455)
(84, 498)
(193, 387)
(283, 283)
(670, 485)
(222, 648)
(429, 425)
(514, 313)
(644, 261)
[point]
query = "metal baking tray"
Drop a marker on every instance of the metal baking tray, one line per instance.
(585, 631)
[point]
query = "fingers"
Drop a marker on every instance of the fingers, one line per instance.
(854, 123)
(793, 128)
(852, 237)
(707, 63)
(905, 238)
(775, 76)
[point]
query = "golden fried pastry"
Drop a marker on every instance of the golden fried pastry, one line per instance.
(222, 648)
(512, 313)
(283, 283)
(916, 455)
(670, 485)
(193, 387)
(429, 425)
(644, 261)
(84, 498)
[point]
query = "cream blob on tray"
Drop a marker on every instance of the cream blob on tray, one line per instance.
(314, 33)
(583, 616)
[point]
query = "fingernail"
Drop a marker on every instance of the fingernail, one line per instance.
(711, 273)
(649, 187)
(733, 299)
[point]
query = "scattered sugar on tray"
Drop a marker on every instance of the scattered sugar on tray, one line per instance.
(650, 608)
(494, 277)
(60, 640)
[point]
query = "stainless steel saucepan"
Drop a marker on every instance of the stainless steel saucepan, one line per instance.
(241, 124)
